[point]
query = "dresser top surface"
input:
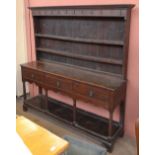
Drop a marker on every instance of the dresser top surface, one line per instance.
(75, 73)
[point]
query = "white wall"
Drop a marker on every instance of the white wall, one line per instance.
(21, 50)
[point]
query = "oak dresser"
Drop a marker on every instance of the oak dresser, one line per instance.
(81, 52)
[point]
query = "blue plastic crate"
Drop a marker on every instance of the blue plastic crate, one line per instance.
(81, 147)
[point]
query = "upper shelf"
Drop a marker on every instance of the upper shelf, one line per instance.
(81, 40)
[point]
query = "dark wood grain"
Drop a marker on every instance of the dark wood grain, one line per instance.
(36, 70)
(92, 41)
(83, 57)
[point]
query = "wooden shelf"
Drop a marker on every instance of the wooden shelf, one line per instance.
(82, 57)
(81, 40)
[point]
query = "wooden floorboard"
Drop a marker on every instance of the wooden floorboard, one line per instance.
(123, 146)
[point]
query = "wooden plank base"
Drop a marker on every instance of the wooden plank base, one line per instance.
(90, 123)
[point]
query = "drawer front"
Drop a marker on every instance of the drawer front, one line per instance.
(91, 91)
(49, 80)
(59, 83)
(32, 75)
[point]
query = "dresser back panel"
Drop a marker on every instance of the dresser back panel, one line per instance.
(87, 49)
(98, 28)
(47, 57)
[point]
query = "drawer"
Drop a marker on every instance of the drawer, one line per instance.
(91, 91)
(32, 75)
(59, 83)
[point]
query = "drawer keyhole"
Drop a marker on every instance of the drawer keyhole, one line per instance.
(91, 93)
(58, 84)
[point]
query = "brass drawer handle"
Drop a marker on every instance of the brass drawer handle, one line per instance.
(91, 93)
(58, 83)
(32, 75)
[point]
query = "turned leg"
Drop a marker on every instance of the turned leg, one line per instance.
(24, 94)
(46, 99)
(40, 90)
(110, 124)
(24, 90)
(122, 116)
(74, 111)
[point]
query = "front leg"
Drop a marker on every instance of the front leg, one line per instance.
(46, 99)
(122, 117)
(110, 123)
(74, 111)
(24, 94)
(40, 90)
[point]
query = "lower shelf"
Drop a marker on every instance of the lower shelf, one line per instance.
(93, 124)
